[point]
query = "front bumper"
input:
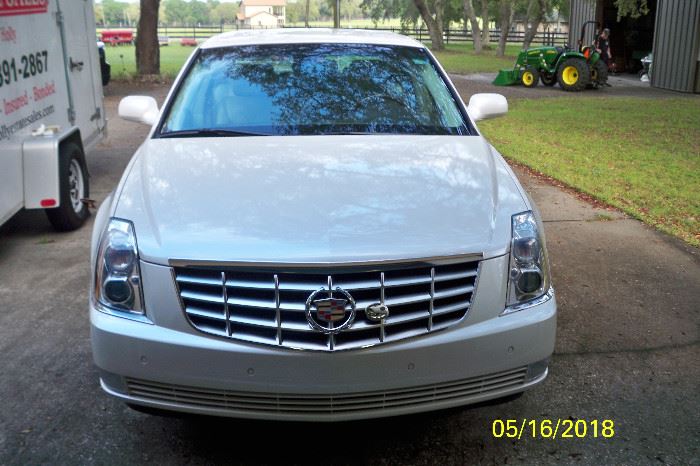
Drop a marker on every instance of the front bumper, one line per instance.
(170, 365)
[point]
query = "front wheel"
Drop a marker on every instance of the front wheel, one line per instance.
(529, 77)
(74, 187)
(573, 75)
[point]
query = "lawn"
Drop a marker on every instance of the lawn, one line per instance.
(456, 58)
(123, 60)
(461, 59)
(640, 155)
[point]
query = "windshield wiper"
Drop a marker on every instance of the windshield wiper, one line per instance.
(208, 133)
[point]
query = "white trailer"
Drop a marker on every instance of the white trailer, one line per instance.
(52, 107)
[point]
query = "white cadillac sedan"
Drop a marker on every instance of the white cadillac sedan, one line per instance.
(315, 230)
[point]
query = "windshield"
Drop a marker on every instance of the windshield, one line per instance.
(312, 89)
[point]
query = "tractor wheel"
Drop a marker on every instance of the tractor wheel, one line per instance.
(529, 77)
(548, 79)
(599, 73)
(573, 75)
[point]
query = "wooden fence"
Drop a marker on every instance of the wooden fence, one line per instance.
(451, 36)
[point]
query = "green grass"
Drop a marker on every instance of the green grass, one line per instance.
(461, 59)
(456, 58)
(123, 60)
(638, 154)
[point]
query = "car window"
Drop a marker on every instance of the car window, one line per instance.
(311, 89)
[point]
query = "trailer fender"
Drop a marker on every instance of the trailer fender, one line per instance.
(40, 159)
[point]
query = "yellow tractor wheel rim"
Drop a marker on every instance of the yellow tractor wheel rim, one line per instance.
(528, 78)
(570, 75)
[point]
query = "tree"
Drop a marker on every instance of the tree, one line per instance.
(485, 32)
(434, 24)
(176, 12)
(147, 50)
(113, 11)
(198, 12)
(99, 14)
(536, 11)
(224, 13)
(631, 8)
(470, 16)
(505, 19)
(131, 13)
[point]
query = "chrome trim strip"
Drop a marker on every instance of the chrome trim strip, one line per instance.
(227, 313)
(382, 330)
(535, 302)
(123, 314)
(278, 315)
(437, 260)
(432, 298)
(331, 336)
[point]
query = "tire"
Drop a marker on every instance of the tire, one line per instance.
(599, 73)
(73, 187)
(548, 79)
(529, 77)
(573, 75)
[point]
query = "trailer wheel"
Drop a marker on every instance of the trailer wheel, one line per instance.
(74, 187)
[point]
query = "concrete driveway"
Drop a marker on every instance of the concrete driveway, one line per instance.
(627, 350)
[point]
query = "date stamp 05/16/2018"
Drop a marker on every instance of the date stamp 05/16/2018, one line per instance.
(553, 428)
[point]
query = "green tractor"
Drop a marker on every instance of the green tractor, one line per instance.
(574, 71)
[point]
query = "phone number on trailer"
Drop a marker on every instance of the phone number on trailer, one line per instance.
(552, 428)
(29, 65)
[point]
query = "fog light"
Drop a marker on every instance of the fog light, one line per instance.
(529, 281)
(118, 290)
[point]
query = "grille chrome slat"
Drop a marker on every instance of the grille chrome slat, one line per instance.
(267, 305)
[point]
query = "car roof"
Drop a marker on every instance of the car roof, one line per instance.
(308, 36)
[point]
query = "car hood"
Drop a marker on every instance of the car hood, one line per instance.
(318, 198)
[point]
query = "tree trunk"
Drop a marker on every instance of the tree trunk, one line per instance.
(505, 19)
(470, 16)
(147, 50)
(434, 24)
(485, 32)
(535, 15)
(306, 16)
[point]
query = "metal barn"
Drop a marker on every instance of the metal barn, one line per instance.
(671, 31)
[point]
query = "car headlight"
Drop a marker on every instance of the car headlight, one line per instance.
(528, 276)
(117, 275)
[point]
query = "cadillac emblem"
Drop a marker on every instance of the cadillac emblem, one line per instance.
(330, 311)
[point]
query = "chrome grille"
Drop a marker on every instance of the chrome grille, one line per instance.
(267, 305)
(320, 406)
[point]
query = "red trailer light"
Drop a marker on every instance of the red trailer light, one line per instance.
(48, 202)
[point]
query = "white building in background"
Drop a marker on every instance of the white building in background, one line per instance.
(261, 13)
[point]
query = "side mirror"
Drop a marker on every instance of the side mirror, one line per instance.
(483, 106)
(139, 108)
